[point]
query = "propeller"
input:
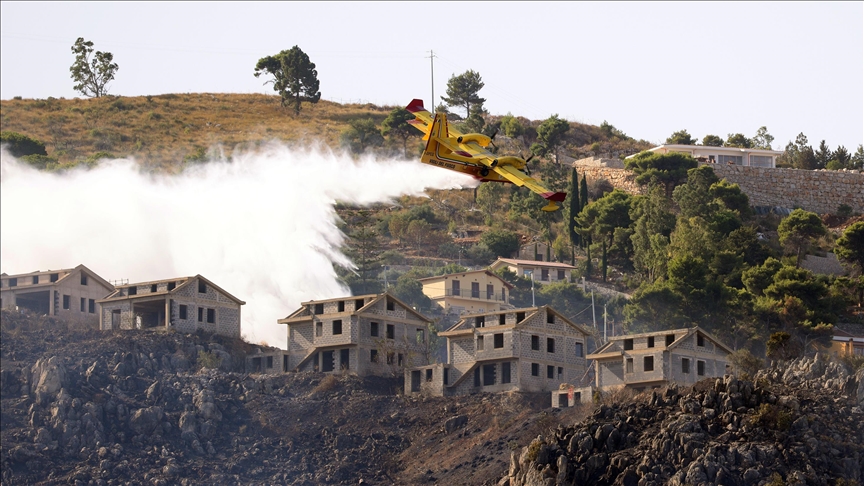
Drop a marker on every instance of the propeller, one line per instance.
(527, 169)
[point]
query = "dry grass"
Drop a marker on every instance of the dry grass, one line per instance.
(160, 131)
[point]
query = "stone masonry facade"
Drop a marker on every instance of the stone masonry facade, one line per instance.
(819, 191)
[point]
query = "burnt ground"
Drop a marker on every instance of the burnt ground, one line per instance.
(89, 407)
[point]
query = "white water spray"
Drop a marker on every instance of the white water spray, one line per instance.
(262, 227)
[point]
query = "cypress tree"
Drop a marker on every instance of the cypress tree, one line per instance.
(575, 208)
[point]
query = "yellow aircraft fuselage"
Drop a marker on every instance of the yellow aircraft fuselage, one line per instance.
(467, 154)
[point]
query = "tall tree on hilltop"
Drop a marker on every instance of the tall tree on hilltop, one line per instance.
(840, 159)
(762, 139)
(294, 77)
(681, 137)
(823, 155)
(857, 160)
(463, 90)
(712, 141)
(92, 75)
(738, 140)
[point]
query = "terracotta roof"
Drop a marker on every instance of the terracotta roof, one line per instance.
(486, 271)
(533, 263)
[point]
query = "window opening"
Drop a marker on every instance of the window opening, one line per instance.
(648, 364)
(337, 327)
(340, 307)
(83, 304)
(172, 285)
(83, 278)
(498, 341)
(550, 318)
(133, 290)
(373, 329)
(211, 316)
(91, 306)
(579, 350)
(550, 345)
(429, 375)
(66, 302)
(502, 319)
(35, 279)
(629, 368)
(480, 321)
(373, 356)
(391, 331)
(700, 368)
(670, 338)
(550, 371)
(319, 329)
(319, 309)
(685, 365)
(700, 340)
(505, 372)
(535, 343)
(153, 288)
(650, 341)
(535, 369)
(54, 277)
(628, 344)
(182, 311)
(479, 343)
(202, 287)
(488, 375)
(200, 314)
(520, 316)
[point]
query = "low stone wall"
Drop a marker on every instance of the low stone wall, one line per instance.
(817, 191)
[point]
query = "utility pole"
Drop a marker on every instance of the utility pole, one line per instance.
(593, 313)
(532, 290)
(432, 70)
(605, 336)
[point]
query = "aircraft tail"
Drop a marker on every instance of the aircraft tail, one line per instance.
(437, 130)
(415, 106)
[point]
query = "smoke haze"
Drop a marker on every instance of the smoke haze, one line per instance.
(262, 227)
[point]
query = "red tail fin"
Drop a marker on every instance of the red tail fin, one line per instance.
(415, 106)
(554, 196)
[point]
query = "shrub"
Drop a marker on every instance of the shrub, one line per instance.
(844, 210)
(39, 161)
(93, 159)
(209, 360)
(326, 384)
(17, 98)
(772, 417)
(20, 145)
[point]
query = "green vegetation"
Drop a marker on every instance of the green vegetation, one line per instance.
(92, 75)
(294, 77)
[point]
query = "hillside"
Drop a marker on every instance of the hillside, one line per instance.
(161, 130)
(89, 407)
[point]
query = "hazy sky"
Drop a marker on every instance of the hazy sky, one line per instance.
(648, 68)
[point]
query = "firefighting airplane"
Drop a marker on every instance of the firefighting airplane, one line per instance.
(447, 148)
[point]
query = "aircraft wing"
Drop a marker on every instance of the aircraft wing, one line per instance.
(519, 178)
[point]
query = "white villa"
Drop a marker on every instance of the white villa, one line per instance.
(723, 155)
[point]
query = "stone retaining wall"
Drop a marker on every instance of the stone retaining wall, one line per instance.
(817, 191)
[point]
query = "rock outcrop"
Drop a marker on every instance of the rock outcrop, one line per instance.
(799, 423)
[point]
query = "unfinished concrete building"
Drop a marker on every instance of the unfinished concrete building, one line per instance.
(375, 334)
(70, 293)
(656, 359)
(184, 303)
(533, 350)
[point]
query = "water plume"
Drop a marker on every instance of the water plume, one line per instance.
(262, 226)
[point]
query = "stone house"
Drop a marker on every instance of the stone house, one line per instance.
(71, 293)
(374, 334)
(656, 359)
(472, 291)
(532, 350)
(184, 303)
(541, 272)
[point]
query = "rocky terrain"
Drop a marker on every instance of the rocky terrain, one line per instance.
(86, 407)
(799, 423)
